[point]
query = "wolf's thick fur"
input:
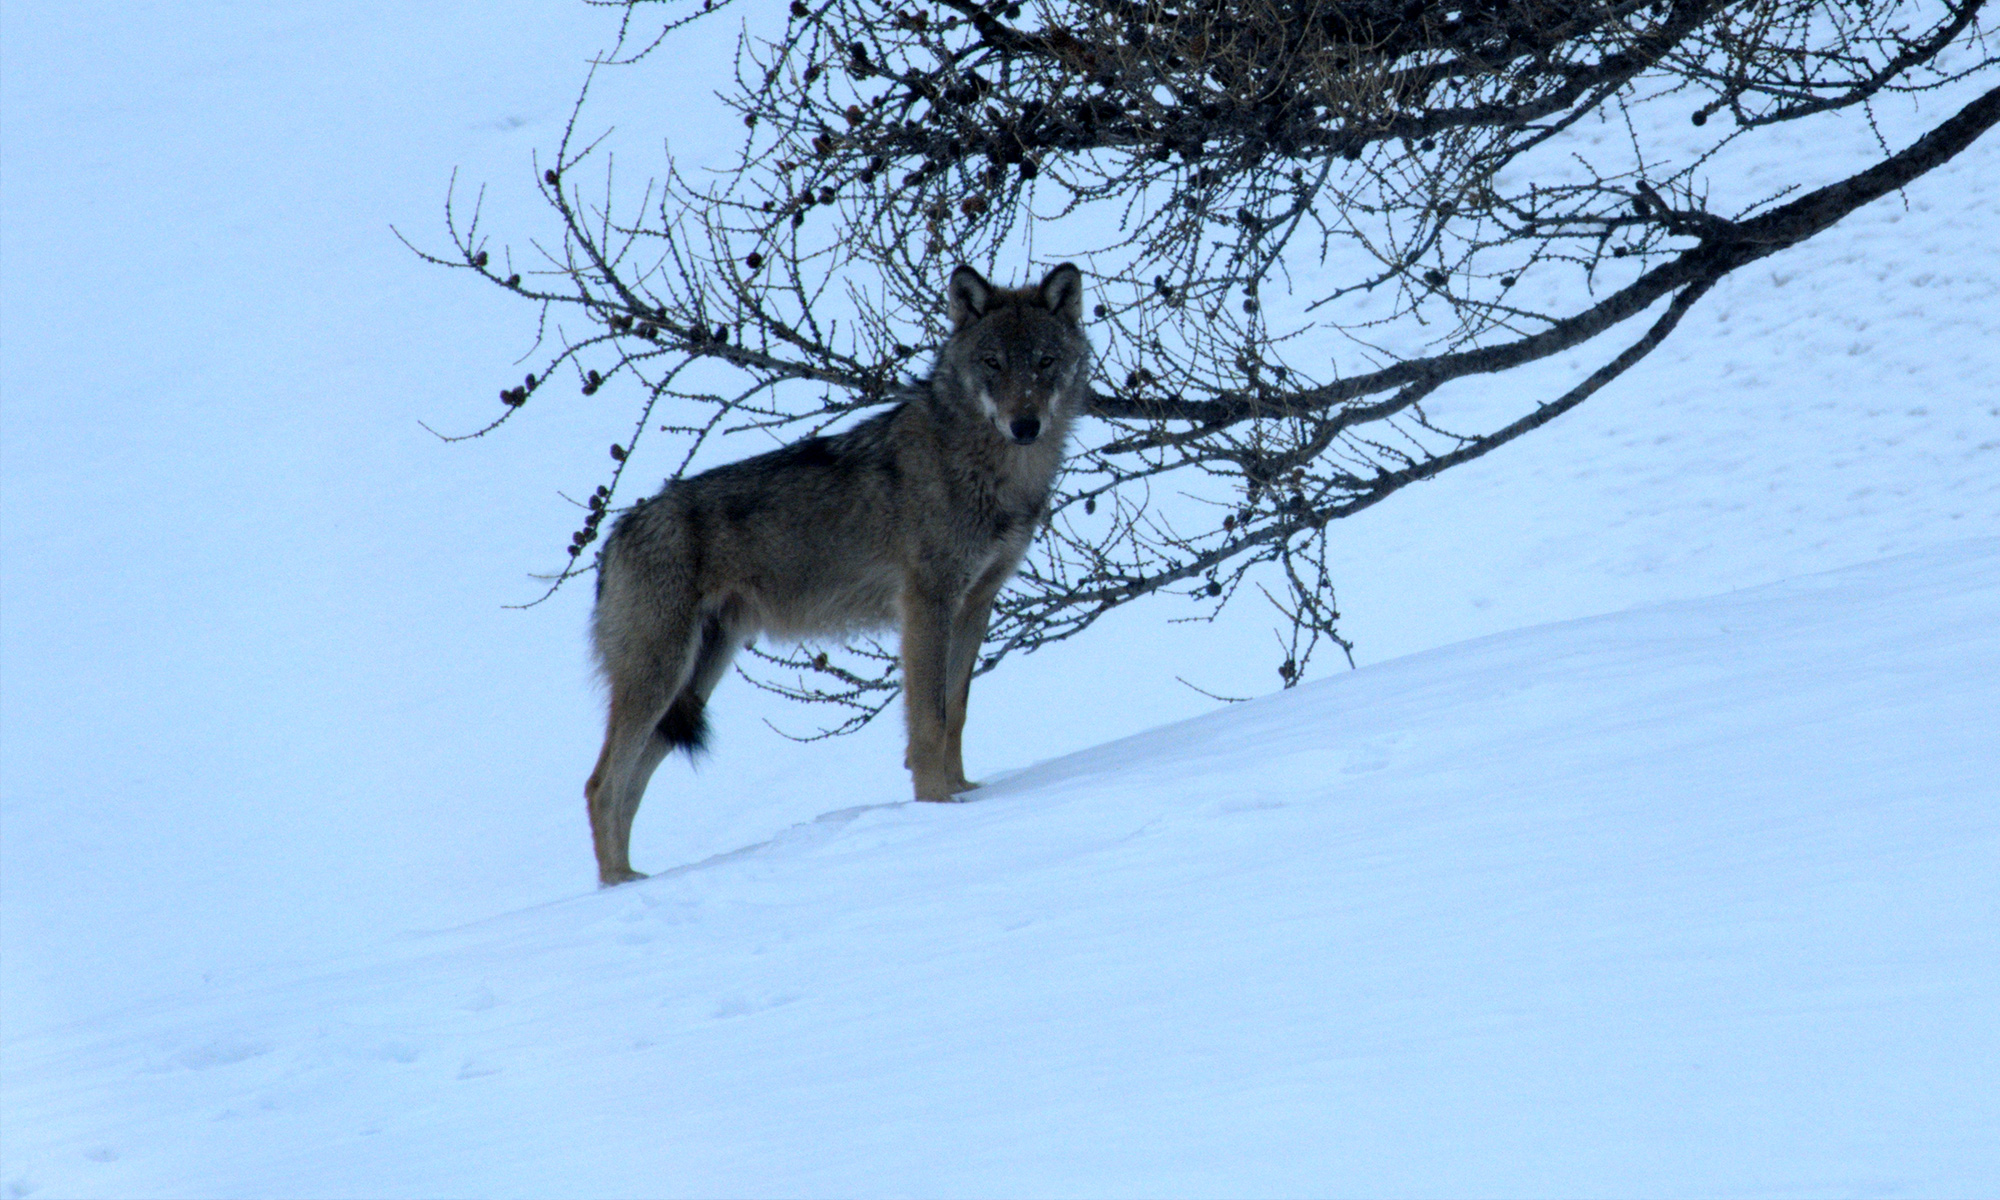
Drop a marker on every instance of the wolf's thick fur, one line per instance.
(914, 517)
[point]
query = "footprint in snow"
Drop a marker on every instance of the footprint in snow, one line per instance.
(740, 1005)
(1232, 807)
(222, 1052)
(397, 1052)
(1375, 754)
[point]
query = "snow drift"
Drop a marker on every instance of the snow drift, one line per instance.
(1694, 899)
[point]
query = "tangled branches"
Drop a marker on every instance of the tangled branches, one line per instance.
(1303, 217)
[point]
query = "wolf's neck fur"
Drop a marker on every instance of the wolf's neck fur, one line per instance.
(1009, 476)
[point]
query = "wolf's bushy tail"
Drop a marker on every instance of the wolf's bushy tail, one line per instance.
(686, 726)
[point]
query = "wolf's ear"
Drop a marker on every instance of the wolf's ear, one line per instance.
(1062, 293)
(967, 296)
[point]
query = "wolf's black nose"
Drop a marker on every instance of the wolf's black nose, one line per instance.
(1025, 429)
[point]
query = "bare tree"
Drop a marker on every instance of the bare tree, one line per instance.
(1304, 218)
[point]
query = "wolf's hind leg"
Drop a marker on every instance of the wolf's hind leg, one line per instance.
(650, 756)
(633, 748)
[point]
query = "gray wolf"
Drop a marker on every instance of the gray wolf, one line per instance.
(915, 518)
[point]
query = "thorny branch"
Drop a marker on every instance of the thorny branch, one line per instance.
(1263, 190)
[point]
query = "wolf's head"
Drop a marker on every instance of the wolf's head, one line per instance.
(1019, 354)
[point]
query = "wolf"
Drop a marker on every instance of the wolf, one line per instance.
(915, 518)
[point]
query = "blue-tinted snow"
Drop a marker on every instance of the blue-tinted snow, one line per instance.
(1692, 898)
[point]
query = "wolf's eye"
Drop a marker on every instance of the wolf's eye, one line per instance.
(993, 362)
(1048, 360)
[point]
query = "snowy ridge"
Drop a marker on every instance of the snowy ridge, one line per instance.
(1693, 899)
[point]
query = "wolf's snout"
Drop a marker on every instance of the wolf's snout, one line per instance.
(1025, 429)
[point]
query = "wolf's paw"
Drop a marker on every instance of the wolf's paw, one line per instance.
(614, 878)
(951, 793)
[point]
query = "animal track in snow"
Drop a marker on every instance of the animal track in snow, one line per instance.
(1375, 753)
(738, 1004)
(220, 1052)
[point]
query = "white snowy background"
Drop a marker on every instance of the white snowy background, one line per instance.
(1653, 849)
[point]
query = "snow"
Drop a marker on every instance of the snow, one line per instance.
(1694, 899)
(1693, 896)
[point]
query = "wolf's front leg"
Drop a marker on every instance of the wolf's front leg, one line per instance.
(968, 634)
(926, 638)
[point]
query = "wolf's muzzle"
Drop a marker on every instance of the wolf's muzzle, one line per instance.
(1025, 430)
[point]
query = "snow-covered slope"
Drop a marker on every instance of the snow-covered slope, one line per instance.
(262, 716)
(1692, 900)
